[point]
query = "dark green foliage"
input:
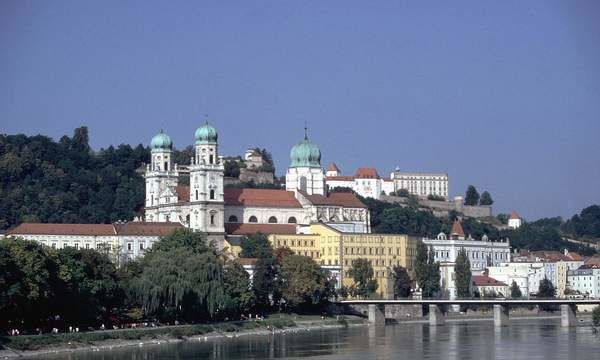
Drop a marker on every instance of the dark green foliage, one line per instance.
(515, 291)
(232, 168)
(239, 297)
(362, 274)
(434, 278)
(341, 189)
(486, 199)
(264, 282)
(46, 181)
(542, 235)
(256, 246)
(421, 266)
(402, 282)
(407, 220)
(304, 284)
(435, 197)
(427, 271)
(400, 193)
(586, 224)
(471, 196)
(462, 273)
(183, 157)
(503, 218)
(546, 289)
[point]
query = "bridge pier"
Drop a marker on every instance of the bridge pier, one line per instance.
(376, 315)
(435, 315)
(567, 315)
(501, 315)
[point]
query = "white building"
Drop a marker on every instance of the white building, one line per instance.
(585, 281)
(421, 184)
(481, 253)
(366, 182)
(123, 241)
(206, 206)
(514, 221)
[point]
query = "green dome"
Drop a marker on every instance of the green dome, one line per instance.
(206, 134)
(305, 154)
(161, 141)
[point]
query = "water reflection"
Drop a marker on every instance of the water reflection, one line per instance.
(536, 339)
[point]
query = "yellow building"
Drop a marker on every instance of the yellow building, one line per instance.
(337, 251)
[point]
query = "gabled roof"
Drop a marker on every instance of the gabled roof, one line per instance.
(514, 215)
(336, 199)
(261, 197)
(147, 228)
(484, 280)
(183, 193)
(248, 229)
(63, 229)
(367, 173)
(457, 229)
(333, 167)
(130, 228)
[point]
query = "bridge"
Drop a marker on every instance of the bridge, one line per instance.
(501, 308)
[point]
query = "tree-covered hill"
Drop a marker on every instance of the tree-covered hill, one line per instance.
(43, 180)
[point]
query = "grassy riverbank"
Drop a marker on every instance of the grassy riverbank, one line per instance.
(92, 339)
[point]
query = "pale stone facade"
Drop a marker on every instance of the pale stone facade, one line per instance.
(421, 184)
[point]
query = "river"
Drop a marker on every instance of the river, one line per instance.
(523, 339)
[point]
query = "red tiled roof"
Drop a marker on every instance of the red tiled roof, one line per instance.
(261, 197)
(457, 229)
(367, 173)
(333, 167)
(552, 255)
(336, 199)
(131, 228)
(63, 229)
(484, 280)
(514, 215)
(246, 229)
(341, 178)
(183, 193)
(147, 228)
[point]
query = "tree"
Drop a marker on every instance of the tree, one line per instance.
(362, 274)
(472, 196)
(256, 246)
(239, 297)
(422, 267)
(515, 291)
(264, 282)
(503, 218)
(486, 199)
(462, 271)
(402, 287)
(304, 283)
(434, 276)
(546, 289)
(232, 168)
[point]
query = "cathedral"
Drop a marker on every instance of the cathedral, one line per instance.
(207, 206)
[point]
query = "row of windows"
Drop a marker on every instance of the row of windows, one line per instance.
(295, 242)
(254, 219)
(211, 194)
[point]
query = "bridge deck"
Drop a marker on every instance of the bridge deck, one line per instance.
(471, 302)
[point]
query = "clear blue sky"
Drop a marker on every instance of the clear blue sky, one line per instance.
(504, 95)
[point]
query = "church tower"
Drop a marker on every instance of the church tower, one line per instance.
(305, 172)
(206, 186)
(161, 178)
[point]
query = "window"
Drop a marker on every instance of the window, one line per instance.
(129, 246)
(196, 194)
(77, 246)
(210, 158)
(142, 246)
(212, 219)
(272, 220)
(87, 246)
(166, 166)
(233, 219)
(54, 245)
(292, 220)
(212, 194)
(253, 219)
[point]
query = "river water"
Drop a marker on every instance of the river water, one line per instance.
(523, 339)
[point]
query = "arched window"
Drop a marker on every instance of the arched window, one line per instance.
(233, 219)
(272, 220)
(303, 183)
(187, 218)
(212, 219)
(210, 158)
(292, 220)
(212, 194)
(166, 166)
(196, 194)
(253, 219)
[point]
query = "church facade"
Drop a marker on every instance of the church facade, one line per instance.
(205, 205)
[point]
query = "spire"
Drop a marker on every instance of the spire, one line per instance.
(457, 230)
(305, 131)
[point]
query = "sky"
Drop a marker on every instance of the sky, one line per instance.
(504, 95)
